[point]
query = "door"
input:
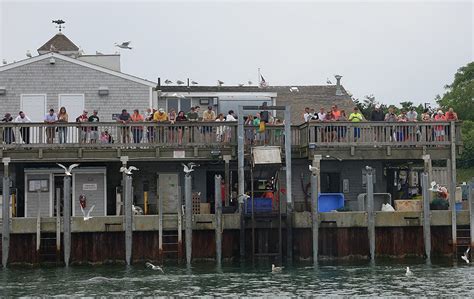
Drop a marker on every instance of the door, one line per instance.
(34, 106)
(168, 192)
(74, 104)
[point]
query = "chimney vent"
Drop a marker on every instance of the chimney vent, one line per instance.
(338, 85)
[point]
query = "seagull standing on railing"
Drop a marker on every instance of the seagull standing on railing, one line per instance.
(67, 171)
(128, 171)
(168, 81)
(189, 168)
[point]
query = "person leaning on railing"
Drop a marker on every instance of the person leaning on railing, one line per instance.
(63, 118)
(356, 116)
(124, 119)
(50, 118)
(94, 132)
(137, 131)
(8, 136)
(160, 116)
(24, 131)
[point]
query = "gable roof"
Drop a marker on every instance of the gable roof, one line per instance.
(60, 42)
(78, 62)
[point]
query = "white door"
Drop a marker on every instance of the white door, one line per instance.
(74, 104)
(34, 106)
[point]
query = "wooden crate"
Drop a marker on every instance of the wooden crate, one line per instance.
(196, 202)
(205, 208)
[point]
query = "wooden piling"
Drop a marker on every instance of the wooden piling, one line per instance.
(370, 213)
(452, 203)
(128, 218)
(38, 221)
(218, 217)
(67, 219)
(289, 198)
(241, 176)
(58, 221)
(425, 184)
(315, 179)
(5, 219)
(160, 226)
(471, 210)
(189, 217)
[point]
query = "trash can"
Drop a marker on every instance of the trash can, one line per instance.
(328, 202)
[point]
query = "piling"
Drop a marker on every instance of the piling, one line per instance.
(5, 220)
(471, 210)
(370, 213)
(425, 184)
(189, 217)
(38, 221)
(128, 218)
(452, 202)
(160, 226)
(67, 219)
(58, 221)
(315, 179)
(241, 176)
(218, 215)
(289, 199)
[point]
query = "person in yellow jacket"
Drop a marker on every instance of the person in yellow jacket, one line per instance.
(160, 116)
(356, 116)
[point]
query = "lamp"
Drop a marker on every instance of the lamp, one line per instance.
(52, 60)
(215, 153)
(3, 90)
(103, 90)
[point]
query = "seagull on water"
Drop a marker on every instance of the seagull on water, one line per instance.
(189, 168)
(276, 269)
(168, 81)
(87, 215)
(464, 257)
(408, 273)
(124, 45)
(128, 171)
(153, 267)
(314, 170)
(68, 170)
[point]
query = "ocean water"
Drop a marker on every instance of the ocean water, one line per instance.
(347, 279)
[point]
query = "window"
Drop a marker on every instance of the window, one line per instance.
(178, 104)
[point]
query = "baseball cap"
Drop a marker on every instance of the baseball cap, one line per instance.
(161, 110)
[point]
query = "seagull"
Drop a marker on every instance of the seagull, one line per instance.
(464, 257)
(153, 267)
(434, 187)
(181, 96)
(250, 82)
(241, 85)
(124, 45)
(219, 82)
(194, 83)
(313, 170)
(179, 82)
(294, 89)
(98, 53)
(128, 171)
(88, 215)
(4, 61)
(276, 269)
(368, 168)
(242, 198)
(28, 54)
(189, 168)
(67, 171)
(409, 273)
(168, 81)
(137, 210)
(328, 81)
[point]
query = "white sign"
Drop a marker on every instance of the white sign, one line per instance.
(179, 154)
(89, 187)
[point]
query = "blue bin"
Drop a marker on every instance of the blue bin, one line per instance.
(260, 205)
(330, 201)
(458, 206)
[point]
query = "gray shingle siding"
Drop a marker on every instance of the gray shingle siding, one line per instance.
(68, 78)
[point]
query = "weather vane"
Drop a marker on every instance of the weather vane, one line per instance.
(59, 23)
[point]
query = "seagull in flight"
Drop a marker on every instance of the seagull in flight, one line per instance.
(68, 170)
(128, 171)
(408, 273)
(276, 269)
(313, 170)
(124, 45)
(464, 257)
(87, 215)
(167, 81)
(153, 267)
(189, 168)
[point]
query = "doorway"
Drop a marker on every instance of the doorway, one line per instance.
(58, 195)
(330, 182)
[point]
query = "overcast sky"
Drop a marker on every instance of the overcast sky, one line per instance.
(397, 51)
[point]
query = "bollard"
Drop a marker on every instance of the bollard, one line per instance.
(370, 213)
(218, 216)
(67, 219)
(5, 220)
(128, 218)
(189, 217)
(425, 184)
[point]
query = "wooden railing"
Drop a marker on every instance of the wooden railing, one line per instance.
(146, 134)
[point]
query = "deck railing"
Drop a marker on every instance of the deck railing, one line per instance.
(146, 134)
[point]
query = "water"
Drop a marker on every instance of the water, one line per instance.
(204, 279)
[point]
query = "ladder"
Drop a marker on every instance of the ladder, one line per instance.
(47, 250)
(463, 240)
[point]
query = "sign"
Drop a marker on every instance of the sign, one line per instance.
(179, 154)
(89, 187)
(38, 185)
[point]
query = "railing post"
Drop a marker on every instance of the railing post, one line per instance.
(425, 183)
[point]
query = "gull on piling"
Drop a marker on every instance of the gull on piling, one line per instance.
(68, 170)
(189, 168)
(128, 171)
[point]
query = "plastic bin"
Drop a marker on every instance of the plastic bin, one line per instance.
(458, 206)
(328, 202)
(261, 205)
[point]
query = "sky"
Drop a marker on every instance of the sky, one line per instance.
(397, 51)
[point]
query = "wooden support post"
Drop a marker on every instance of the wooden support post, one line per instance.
(67, 219)
(370, 213)
(452, 204)
(180, 232)
(241, 175)
(425, 185)
(218, 217)
(6, 213)
(314, 211)
(38, 221)
(427, 166)
(189, 217)
(128, 219)
(160, 225)
(145, 202)
(227, 179)
(289, 198)
(58, 221)
(471, 210)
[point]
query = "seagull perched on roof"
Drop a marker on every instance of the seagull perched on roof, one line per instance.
(167, 81)
(314, 170)
(194, 83)
(153, 267)
(4, 61)
(250, 82)
(87, 215)
(328, 81)
(219, 82)
(464, 257)
(124, 45)
(128, 171)
(68, 170)
(189, 168)
(28, 54)
(294, 89)
(98, 53)
(179, 82)
(241, 84)
(276, 269)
